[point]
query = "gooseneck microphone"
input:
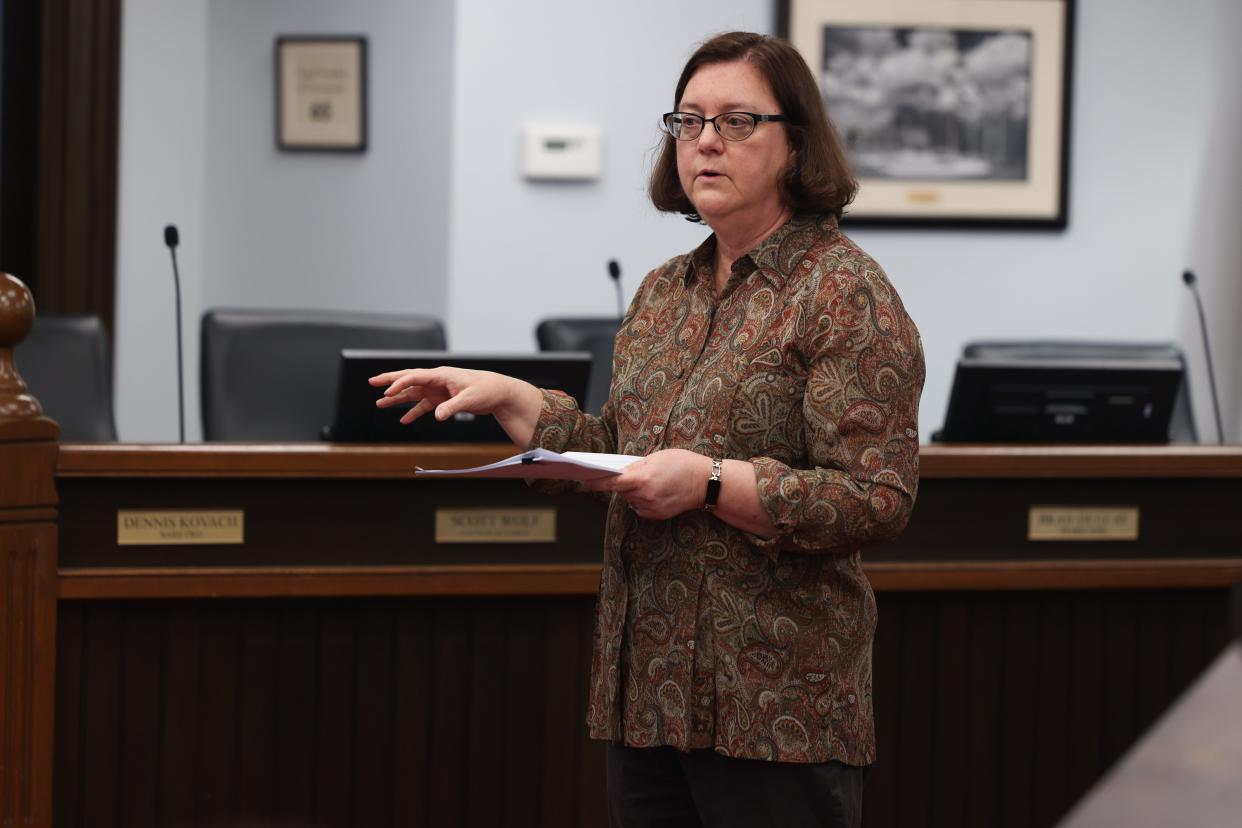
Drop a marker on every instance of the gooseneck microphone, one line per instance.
(1189, 279)
(172, 238)
(614, 273)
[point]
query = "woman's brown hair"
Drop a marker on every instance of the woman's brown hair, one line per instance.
(818, 179)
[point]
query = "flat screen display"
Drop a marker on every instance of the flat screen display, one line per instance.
(358, 420)
(997, 400)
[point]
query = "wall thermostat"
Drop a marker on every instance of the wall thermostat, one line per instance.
(561, 152)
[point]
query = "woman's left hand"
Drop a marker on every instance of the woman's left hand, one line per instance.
(662, 484)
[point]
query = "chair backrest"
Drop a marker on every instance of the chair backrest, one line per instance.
(66, 364)
(1181, 423)
(595, 335)
(272, 374)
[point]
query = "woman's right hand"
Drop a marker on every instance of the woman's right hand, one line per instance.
(447, 391)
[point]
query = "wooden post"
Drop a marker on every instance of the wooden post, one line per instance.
(28, 449)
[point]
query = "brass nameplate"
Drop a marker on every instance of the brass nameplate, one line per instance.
(496, 525)
(1083, 523)
(923, 197)
(148, 527)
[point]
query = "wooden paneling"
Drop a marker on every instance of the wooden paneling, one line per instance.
(396, 461)
(21, 82)
(958, 520)
(318, 522)
(77, 159)
(58, 171)
(297, 519)
(86, 583)
(372, 713)
(341, 668)
(1004, 709)
(1045, 461)
(27, 633)
(272, 460)
(322, 582)
(991, 710)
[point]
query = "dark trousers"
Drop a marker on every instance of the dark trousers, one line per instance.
(661, 786)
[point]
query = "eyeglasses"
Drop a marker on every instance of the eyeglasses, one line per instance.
(731, 126)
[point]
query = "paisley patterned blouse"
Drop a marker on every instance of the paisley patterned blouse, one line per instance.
(809, 368)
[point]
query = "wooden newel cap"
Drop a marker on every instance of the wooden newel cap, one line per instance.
(21, 416)
(16, 310)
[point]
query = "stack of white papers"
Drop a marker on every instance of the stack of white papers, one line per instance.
(544, 464)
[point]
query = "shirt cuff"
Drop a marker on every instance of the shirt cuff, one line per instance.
(770, 476)
(559, 418)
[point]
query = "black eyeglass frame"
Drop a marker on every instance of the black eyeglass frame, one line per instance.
(758, 119)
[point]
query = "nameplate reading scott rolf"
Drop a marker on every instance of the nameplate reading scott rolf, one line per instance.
(1083, 523)
(481, 525)
(923, 197)
(143, 527)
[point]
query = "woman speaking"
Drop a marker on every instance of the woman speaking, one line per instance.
(770, 381)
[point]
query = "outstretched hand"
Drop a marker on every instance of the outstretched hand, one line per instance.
(447, 391)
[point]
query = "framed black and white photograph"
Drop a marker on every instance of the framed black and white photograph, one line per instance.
(952, 112)
(321, 93)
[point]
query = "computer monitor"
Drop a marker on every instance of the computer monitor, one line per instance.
(358, 420)
(1064, 393)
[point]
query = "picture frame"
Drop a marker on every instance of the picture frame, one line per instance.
(954, 113)
(321, 93)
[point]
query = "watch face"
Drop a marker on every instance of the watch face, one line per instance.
(713, 492)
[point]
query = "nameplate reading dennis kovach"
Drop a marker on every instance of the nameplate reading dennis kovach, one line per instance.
(1083, 523)
(139, 527)
(482, 525)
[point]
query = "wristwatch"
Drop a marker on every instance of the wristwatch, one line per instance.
(713, 487)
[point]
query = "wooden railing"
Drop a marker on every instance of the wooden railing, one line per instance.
(28, 450)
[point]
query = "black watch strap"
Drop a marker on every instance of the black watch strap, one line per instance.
(713, 487)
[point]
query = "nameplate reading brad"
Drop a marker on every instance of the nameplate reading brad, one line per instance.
(483, 525)
(1083, 523)
(140, 527)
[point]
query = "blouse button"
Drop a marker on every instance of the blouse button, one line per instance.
(655, 429)
(690, 644)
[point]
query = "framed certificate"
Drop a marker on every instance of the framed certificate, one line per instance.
(952, 112)
(321, 93)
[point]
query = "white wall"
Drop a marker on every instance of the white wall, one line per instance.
(1153, 180)
(262, 227)
(1213, 247)
(330, 230)
(161, 181)
(525, 250)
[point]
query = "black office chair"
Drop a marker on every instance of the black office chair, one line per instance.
(1181, 422)
(595, 335)
(272, 374)
(66, 364)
